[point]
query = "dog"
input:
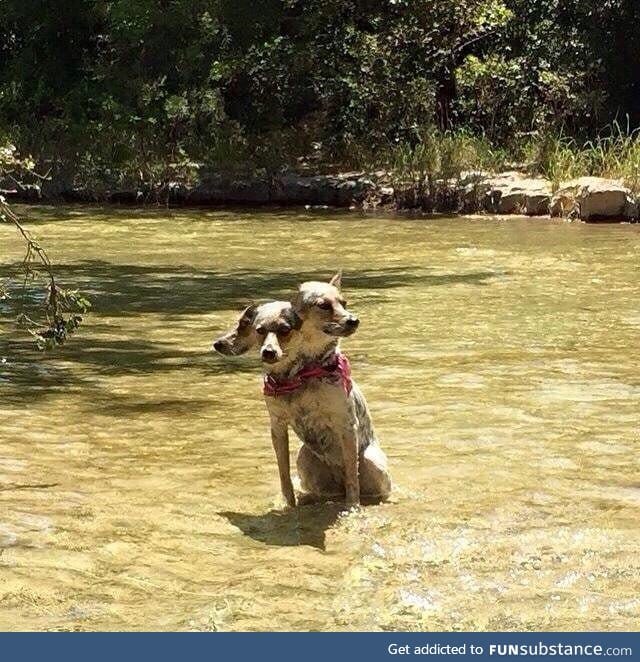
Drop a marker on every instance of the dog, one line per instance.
(308, 387)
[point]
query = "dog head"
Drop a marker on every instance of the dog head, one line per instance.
(322, 307)
(242, 336)
(269, 326)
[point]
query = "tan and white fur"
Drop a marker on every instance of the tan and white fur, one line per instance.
(340, 455)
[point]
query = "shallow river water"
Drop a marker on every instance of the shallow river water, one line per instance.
(138, 487)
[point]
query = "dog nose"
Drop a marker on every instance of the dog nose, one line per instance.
(352, 323)
(218, 345)
(268, 354)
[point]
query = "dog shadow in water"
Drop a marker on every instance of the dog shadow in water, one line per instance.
(303, 525)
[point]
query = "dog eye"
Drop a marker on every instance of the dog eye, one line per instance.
(324, 305)
(261, 331)
(284, 331)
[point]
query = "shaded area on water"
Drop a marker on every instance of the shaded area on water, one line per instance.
(132, 290)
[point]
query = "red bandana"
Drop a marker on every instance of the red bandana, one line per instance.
(339, 369)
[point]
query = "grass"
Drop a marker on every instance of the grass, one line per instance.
(617, 156)
(427, 173)
(614, 154)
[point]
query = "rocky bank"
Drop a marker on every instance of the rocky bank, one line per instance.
(512, 192)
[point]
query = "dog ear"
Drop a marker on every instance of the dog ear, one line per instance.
(336, 281)
(248, 315)
(296, 320)
(296, 302)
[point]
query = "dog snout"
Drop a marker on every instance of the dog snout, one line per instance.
(269, 354)
(223, 346)
(352, 323)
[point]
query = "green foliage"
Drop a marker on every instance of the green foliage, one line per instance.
(136, 94)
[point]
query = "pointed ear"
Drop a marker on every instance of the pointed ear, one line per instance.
(248, 315)
(296, 320)
(296, 302)
(336, 281)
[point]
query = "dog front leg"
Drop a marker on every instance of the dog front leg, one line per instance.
(280, 441)
(350, 459)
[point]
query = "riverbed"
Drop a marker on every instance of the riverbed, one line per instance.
(138, 487)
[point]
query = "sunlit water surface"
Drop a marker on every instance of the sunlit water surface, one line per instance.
(138, 488)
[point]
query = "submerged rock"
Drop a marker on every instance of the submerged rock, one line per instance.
(594, 198)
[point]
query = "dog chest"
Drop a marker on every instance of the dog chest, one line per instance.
(323, 442)
(320, 417)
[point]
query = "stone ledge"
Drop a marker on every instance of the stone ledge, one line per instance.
(511, 192)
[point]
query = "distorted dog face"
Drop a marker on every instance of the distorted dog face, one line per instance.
(242, 336)
(269, 327)
(323, 307)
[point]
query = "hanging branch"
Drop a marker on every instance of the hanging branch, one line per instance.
(62, 308)
(7, 215)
